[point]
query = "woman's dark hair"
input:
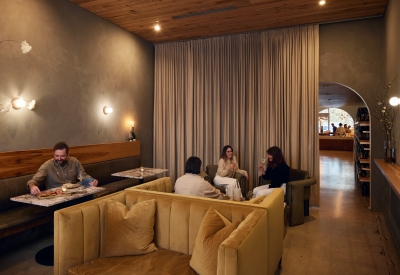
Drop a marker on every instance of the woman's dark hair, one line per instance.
(223, 154)
(60, 146)
(340, 124)
(277, 156)
(193, 165)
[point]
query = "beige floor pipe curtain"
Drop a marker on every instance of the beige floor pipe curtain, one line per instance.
(251, 91)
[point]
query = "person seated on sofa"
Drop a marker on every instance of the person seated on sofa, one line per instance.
(193, 184)
(227, 167)
(277, 172)
(59, 170)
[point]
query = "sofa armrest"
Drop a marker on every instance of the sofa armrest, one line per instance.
(295, 199)
(244, 251)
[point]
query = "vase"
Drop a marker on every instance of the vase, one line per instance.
(390, 151)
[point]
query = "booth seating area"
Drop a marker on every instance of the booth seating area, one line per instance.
(99, 161)
(254, 247)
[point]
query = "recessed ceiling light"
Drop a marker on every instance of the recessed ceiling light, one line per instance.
(157, 28)
(322, 2)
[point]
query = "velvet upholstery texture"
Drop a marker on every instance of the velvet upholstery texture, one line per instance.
(163, 261)
(298, 191)
(78, 232)
(160, 185)
(256, 200)
(214, 229)
(128, 232)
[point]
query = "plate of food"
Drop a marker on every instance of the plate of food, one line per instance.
(50, 194)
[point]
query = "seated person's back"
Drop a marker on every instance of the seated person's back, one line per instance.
(193, 184)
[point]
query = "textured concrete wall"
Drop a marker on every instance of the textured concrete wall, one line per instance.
(79, 63)
(352, 54)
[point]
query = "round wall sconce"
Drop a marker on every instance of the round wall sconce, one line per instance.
(394, 101)
(107, 110)
(17, 103)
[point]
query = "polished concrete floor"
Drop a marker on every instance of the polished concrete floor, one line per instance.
(337, 238)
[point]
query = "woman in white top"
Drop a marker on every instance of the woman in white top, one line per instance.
(227, 167)
(193, 184)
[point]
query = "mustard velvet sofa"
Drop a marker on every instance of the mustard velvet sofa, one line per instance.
(255, 249)
(161, 185)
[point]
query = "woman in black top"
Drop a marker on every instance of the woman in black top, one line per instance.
(277, 172)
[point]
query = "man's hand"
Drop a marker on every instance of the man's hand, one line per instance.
(94, 183)
(34, 189)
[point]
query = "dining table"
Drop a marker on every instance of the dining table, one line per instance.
(140, 173)
(45, 256)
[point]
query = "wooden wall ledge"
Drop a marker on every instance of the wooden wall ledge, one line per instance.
(391, 173)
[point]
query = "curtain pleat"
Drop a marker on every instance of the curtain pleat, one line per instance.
(251, 91)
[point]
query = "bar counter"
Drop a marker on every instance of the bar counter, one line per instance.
(336, 143)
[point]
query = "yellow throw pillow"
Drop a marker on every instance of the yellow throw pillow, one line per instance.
(128, 232)
(257, 200)
(214, 229)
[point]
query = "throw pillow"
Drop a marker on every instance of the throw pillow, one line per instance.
(214, 229)
(128, 232)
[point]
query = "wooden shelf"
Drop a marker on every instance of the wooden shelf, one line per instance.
(364, 179)
(362, 123)
(362, 141)
(363, 148)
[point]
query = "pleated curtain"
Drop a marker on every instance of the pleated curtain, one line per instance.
(251, 91)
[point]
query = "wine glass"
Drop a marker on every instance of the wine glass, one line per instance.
(80, 176)
(263, 161)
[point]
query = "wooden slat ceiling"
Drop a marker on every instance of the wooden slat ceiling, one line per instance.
(140, 16)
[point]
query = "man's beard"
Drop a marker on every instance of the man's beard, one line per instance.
(62, 162)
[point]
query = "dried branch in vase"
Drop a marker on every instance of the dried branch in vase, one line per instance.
(383, 111)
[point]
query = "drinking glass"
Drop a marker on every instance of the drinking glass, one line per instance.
(263, 161)
(80, 176)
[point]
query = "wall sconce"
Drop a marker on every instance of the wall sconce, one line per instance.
(17, 103)
(107, 110)
(394, 101)
(31, 105)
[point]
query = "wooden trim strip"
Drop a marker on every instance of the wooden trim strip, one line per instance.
(19, 163)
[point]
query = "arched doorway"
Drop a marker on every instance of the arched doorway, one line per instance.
(335, 102)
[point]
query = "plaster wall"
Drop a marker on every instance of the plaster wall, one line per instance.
(78, 64)
(351, 53)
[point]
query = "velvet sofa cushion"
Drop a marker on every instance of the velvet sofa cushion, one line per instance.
(166, 262)
(214, 229)
(257, 200)
(128, 232)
